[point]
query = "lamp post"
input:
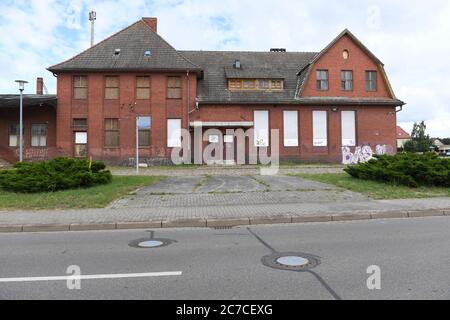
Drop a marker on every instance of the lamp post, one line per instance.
(21, 88)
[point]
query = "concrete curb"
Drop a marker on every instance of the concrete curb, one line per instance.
(228, 222)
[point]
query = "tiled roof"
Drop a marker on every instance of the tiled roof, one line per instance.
(132, 42)
(216, 64)
(29, 100)
(402, 134)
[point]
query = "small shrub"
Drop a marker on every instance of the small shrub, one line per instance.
(408, 169)
(57, 174)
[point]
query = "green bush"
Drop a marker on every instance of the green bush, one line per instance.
(57, 174)
(408, 169)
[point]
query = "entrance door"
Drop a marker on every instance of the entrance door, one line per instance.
(80, 145)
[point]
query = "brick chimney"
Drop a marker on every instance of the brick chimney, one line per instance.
(40, 86)
(152, 23)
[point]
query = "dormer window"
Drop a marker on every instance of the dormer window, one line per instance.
(117, 52)
(255, 84)
(147, 53)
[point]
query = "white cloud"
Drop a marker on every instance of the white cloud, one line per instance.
(410, 37)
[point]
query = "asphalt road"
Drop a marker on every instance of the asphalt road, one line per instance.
(413, 255)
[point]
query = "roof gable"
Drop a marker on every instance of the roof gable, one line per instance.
(133, 42)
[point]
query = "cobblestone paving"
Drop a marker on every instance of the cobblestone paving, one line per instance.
(214, 191)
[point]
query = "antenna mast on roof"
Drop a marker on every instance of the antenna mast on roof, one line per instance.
(92, 18)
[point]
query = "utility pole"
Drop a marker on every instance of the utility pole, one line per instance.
(92, 18)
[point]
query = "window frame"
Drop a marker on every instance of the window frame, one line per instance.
(137, 88)
(17, 135)
(106, 87)
(371, 81)
(344, 131)
(256, 134)
(170, 88)
(111, 130)
(40, 136)
(287, 125)
(344, 80)
(320, 81)
(315, 129)
(75, 87)
(170, 141)
(145, 132)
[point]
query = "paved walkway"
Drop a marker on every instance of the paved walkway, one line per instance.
(200, 201)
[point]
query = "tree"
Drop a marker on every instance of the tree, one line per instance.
(420, 141)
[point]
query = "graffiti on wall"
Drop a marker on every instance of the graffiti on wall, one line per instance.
(363, 153)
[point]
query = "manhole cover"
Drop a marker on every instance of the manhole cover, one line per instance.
(147, 243)
(150, 244)
(291, 261)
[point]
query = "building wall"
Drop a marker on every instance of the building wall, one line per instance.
(375, 125)
(95, 108)
(32, 115)
(334, 62)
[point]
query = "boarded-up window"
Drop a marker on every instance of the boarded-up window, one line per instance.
(290, 126)
(277, 84)
(14, 135)
(143, 88)
(371, 80)
(111, 133)
(80, 123)
(144, 126)
(320, 134)
(235, 84)
(174, 87)
(80, 148)
(38, 135)
(348, 126)
(263, 84)
(80, 87)
(111, 87)
(173, 133)
(347, 80)
(249, 84)
(261, 124)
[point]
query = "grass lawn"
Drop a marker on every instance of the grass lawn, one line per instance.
(95, 197)
(377, 190)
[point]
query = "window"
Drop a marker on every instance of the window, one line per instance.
(79, 123)
(345, 54)
(80, 87)
(261, 125)
(290, 126)
(249, 84)
(111, 88)
(38, 135)
(14, 133)
(277, 84)
(80, 144)
(347, 80)
(144, 126)
(142, 88)
(263, 84)
(371, 81)
(111, 133)
(174, 87)
(348, 125)
(322, 80)
(234, 84)
(174, 133)
(320, 135)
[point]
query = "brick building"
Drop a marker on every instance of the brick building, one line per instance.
(319, 101)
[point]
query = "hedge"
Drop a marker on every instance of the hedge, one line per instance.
(408, 169)
(57, 174)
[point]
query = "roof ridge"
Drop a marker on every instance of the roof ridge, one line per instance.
(95, 45)
(177, 51)
(250, 51)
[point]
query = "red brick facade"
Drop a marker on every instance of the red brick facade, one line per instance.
(375, 122)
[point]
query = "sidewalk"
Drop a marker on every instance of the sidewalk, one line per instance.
(219, 216)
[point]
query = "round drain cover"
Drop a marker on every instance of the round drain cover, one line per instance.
(293, 261)
(150, 244)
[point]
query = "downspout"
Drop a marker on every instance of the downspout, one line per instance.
(188, 97)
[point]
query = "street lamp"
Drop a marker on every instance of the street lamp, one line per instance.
(21, 88)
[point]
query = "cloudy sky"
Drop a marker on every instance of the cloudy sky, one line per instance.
(410, 37)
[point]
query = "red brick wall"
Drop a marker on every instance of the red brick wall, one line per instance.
(96, 109)
(334, 62)
(374, 125)
(32, 115)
